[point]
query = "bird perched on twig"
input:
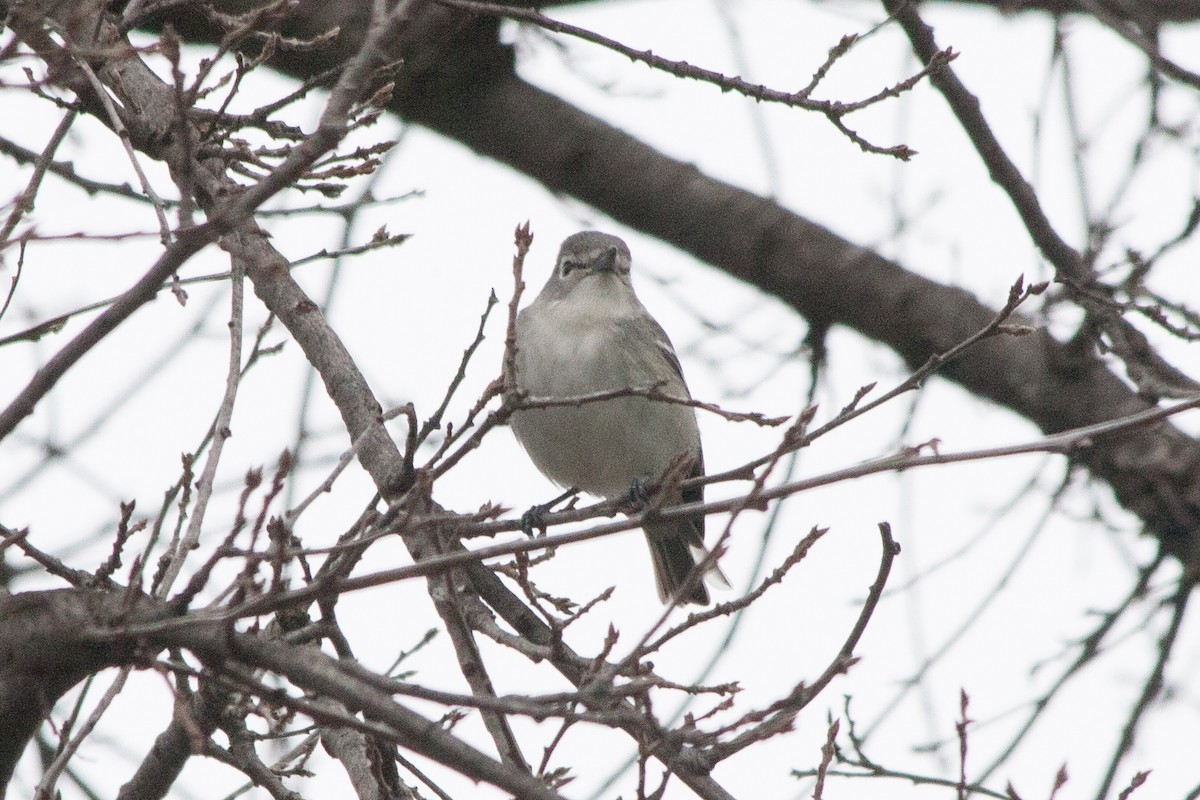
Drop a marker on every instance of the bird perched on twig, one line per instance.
(587, 333)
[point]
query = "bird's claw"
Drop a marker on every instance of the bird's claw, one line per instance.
(534, 520)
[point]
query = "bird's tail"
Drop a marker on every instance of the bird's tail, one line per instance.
(672, 545)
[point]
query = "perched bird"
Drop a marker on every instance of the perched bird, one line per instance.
(587, 333)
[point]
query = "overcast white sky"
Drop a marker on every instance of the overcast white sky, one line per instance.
(406, 315)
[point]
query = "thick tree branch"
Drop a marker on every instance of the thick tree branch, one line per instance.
(461, 83)
(1143, 12)
(468, 91)
(1155, 473)
(274, 285)
(51, 640)
(47, 645)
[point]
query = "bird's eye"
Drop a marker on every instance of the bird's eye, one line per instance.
(569, 264)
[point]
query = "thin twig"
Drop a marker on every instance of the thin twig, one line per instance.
(779, 716)
(1150, 371)
(1065, 443)
(827, 751)
(221, 432)
(1150, 689)
(834, 110)
(45, 787)
(655, 393)
(24, 202)
(118, 126)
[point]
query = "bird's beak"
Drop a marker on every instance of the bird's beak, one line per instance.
(606, 261)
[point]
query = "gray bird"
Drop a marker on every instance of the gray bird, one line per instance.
(586, 333)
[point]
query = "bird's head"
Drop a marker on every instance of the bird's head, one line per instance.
(589, 253)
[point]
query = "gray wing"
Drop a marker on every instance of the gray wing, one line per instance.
(663, 343)
(647, 327)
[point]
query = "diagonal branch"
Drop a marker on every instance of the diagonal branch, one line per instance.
(1153, 374)
(469, 92)
(361, 412)
(1154, 472)
(80, 631)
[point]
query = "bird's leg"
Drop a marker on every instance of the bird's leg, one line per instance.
(534, 520)
(639, 491)
(648, 494)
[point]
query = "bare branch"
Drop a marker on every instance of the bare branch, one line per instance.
(834, 110)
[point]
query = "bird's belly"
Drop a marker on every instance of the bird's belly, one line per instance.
(601, 447)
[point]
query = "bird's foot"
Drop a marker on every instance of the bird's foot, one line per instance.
(639, 491)
(534, 519)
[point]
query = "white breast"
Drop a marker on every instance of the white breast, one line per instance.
(572, 349)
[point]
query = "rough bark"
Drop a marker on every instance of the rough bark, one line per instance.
(49, 641)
